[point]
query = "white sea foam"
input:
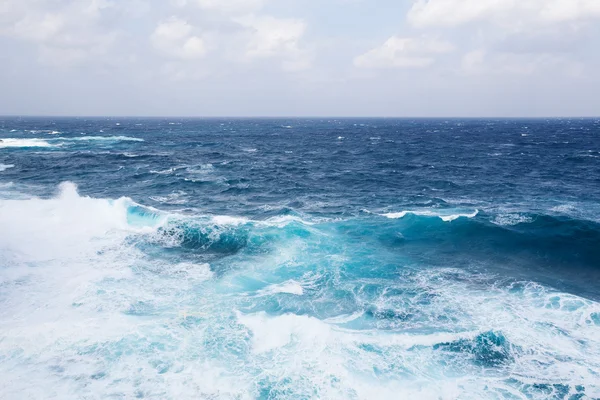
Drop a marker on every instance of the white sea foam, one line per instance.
(200, 169)
(448, 216)
(511, 219)
(167, 171)
(229, 220)
(563, 208)
(289, 287)
(103, 139)
(45, 229)
(85, 313)
(550, 335)
(171, 198)
(274, 333)
(4, 167)
(12, 142)
(283, 220)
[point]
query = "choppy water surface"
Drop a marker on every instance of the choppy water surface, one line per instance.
(297, 259)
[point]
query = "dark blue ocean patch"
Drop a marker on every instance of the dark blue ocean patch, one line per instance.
(489, 349)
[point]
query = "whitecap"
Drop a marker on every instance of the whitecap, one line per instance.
(229, 220)
(11, 142)
(104, 138)
(282, 220)
(4, 167)
(167, 171)
(446, 216)
(67, 224)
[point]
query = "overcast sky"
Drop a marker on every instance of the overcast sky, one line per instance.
(300, 57)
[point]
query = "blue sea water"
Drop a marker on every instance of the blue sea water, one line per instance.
(299, 258)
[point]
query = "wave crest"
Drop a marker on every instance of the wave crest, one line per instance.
(444, 215)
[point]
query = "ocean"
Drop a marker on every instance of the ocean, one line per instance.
(321, 258)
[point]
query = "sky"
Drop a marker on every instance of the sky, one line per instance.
(347, 58)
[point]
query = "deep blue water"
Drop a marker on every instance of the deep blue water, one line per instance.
(299, 258)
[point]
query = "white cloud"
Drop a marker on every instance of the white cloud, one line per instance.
(65, 33)
(175, 38)
(399, 52)
(38, 27)
(512, 36)
(269, 37)
(530, 44)
(479, 62)
(570, 10)
(507, 13)
(225, 6)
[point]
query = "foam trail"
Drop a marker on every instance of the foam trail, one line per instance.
(4, 167)
(100, 139)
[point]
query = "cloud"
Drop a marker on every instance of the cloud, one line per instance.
(480, 61)
(230, 6)
(175, 38)
(65, 33)
(270, 37)
(506, 13)
(513, 36)
(399, 52)
(323, 52)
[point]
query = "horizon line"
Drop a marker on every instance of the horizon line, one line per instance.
(288, 117)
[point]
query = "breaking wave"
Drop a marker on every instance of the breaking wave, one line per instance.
(108, 297)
